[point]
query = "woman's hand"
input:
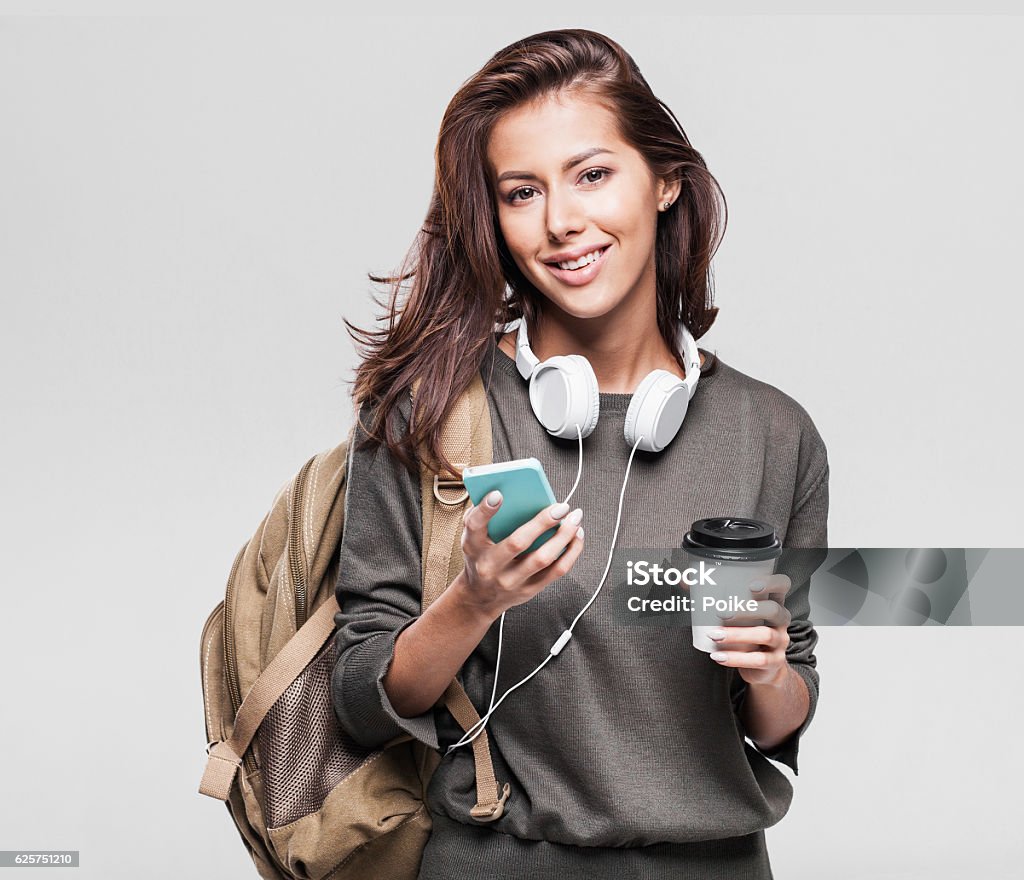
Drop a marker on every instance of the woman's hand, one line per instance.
(494, 578)
(758, 652)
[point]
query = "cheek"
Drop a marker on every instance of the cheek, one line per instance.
(517, 237)
(643, 232)
(626, 215)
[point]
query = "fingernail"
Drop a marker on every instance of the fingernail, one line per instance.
(718, 655)
(575, 517)
(494, 498)
(559, 510)
(579, 534)
(759, 584)
(716, 634)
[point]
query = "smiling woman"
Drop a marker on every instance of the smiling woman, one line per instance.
(569, 201)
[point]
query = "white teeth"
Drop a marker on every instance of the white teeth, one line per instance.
(585, 260)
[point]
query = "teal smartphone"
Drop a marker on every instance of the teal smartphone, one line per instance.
(525, 492)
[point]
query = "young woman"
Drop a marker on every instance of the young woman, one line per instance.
(568, 197)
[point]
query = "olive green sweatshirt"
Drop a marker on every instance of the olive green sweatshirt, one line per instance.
(625, 754)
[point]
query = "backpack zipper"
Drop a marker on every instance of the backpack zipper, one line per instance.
(202, 657)
(234, 690)
(296, 557)
(230, 666)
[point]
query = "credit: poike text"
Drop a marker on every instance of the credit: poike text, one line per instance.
(640, 574)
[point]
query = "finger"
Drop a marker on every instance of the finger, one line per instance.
(749, 638)
(766, 611)
(773, 614)
(522, 538)
(774, 586)
(561, 566)
(550, 551)
(742, 659)
(477, 518)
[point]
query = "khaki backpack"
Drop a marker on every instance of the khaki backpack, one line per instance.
(307, 800)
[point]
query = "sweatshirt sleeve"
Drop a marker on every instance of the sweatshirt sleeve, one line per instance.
(379, 590)
(807, 530)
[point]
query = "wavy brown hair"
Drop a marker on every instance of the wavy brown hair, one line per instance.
(462, 279)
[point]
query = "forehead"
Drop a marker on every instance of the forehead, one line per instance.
(539, 136)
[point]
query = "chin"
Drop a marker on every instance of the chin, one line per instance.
(588, 314)
(584, 304)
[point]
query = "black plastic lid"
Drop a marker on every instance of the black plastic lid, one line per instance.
(732, 538)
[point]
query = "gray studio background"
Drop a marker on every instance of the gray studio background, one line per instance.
(188, 208)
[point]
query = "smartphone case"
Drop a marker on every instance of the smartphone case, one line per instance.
(525, 492)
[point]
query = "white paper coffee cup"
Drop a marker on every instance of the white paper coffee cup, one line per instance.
(738, 550)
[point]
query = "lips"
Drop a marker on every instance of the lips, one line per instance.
(579, 277)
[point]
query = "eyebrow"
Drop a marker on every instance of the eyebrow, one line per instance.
(569, 163)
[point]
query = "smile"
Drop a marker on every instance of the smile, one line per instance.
(584, 274)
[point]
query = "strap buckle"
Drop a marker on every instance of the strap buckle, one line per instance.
(490, 812)
(449, 483)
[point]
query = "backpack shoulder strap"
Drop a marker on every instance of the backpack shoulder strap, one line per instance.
(465, 440)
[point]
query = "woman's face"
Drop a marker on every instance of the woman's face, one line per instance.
(566, 183)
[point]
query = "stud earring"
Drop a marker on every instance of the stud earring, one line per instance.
(667, 204)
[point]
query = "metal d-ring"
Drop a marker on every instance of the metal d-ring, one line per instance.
(450, 484)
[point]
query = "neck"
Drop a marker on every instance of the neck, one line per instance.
(621, 354)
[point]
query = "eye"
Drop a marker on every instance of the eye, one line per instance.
(602, 171)
(511, 197)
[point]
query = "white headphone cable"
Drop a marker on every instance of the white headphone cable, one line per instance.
(501, 624)
(563, 639)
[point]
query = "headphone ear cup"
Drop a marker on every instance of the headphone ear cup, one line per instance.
(563, 392)
(589, 397)
(656, 410)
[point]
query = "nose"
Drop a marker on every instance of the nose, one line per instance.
(564, 215)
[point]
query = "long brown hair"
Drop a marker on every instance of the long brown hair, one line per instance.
(463, 278)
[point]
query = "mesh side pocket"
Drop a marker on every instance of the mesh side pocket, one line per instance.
(304, 751)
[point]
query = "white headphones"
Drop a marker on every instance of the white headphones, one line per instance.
(564, 393)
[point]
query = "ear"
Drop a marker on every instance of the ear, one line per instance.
(668, 191)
